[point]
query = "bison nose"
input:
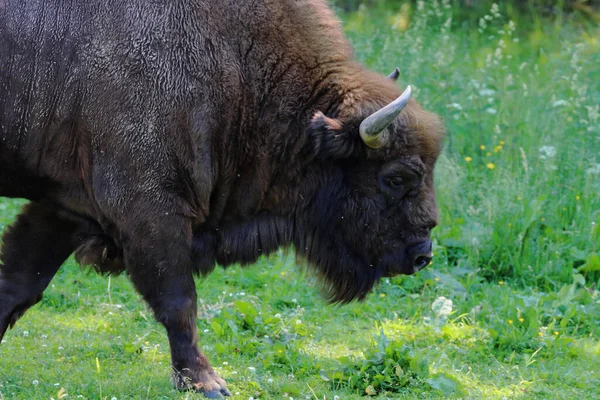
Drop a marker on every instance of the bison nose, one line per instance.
(419, 254)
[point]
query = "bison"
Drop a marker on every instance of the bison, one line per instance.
(160, 138)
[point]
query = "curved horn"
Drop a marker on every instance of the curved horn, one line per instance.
(372, 129)
(394, 75)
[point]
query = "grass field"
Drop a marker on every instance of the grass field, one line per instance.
(510, 308)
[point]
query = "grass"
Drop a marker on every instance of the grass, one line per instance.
(509, 309)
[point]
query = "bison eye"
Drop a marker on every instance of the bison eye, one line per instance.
(394, 182)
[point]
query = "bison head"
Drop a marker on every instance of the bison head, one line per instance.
(374, 206)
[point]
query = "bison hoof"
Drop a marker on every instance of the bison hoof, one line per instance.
(207, 383)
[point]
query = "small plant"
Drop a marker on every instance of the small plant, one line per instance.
(387, 368)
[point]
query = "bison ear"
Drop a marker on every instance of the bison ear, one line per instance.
(332, 139)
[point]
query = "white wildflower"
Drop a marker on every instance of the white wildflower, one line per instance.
(448, 23)
(442, 307)
(547, 152)
(482, 24)
(491, 111)
(251, 369)
(559, 103)
(498, 53)
(35, 382)
(487, 92)
(495, 10)
(593, 170)
(593, 113)
(456, 106)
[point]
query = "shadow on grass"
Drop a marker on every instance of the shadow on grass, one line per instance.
(110, 352)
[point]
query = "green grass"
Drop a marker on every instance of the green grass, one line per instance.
(509, 309)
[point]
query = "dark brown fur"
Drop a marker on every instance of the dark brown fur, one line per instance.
(160, 138)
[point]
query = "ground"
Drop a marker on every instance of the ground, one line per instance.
(509, 308)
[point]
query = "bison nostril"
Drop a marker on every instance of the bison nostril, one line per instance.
(419, 255)
(421, 262)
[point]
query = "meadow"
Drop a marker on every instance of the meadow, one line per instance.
(510, 307)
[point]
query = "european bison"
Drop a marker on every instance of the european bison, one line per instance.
(162, 137)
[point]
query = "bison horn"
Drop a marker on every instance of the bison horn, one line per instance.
(394, 75)
(373, 128)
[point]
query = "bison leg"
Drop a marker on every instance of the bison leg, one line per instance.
(35, 246)
(160, 267)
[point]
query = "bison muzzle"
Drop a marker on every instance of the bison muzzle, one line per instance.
(162, 138)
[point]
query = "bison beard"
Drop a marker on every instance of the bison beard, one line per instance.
(161, 138)
(343, 275)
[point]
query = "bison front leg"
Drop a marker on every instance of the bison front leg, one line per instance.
(160, 267)
(33, 249)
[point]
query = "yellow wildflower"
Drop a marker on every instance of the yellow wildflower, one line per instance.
(521, 319)
(577, 198)
(488, 154)
(510, 321)
(482, 147)
(500, 283)
(490, 165)
(468, 159)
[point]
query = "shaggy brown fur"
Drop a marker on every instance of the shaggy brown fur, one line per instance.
(160, 138)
